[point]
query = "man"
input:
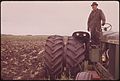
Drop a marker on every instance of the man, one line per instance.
(94, 23)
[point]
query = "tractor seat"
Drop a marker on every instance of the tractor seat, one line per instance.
(81, 36)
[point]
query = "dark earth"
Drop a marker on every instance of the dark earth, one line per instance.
(21, 57)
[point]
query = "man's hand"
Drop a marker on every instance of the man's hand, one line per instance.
(89, 29)
(103, 24)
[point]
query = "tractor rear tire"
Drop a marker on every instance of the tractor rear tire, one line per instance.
(75, 55)
(53, 57)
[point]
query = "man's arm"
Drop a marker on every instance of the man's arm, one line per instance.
(102, 18)
(88, 23)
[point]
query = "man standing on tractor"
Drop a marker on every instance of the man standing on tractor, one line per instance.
(94, 23)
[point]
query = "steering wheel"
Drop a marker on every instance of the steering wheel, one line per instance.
(106, 27)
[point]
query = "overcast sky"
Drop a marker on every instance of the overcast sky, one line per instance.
(52, 17)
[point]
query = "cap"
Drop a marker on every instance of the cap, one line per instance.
(94, 3)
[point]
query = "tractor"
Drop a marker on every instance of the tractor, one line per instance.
(77, 59)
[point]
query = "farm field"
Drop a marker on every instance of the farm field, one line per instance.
(20, 57)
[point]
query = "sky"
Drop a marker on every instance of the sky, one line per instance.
(53, 17)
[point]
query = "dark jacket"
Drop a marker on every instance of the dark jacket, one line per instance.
(94, 20)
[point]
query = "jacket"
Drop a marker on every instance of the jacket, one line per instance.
(94, 20)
